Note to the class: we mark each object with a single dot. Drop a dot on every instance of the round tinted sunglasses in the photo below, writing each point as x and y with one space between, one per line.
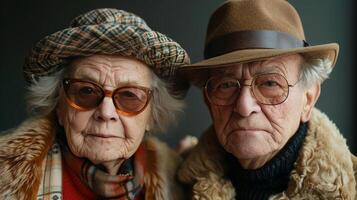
86 95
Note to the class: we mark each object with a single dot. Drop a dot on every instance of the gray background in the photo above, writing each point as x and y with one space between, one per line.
23 23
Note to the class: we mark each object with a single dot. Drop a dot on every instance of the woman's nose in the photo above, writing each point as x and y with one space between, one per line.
106 110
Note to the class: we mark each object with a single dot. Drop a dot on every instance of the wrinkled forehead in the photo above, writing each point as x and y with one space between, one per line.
112 69
289 64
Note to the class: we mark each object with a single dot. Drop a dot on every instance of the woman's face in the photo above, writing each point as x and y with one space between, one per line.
250 130
102 134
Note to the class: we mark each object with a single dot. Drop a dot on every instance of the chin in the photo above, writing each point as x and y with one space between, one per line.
103 158
248 146
248 151
246 154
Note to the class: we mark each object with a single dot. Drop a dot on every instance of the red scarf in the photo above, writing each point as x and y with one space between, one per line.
125 186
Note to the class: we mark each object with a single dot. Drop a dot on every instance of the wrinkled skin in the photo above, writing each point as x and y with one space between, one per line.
253 132
103 135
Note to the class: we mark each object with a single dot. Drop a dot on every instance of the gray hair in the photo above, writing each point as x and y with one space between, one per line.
43 96
315 70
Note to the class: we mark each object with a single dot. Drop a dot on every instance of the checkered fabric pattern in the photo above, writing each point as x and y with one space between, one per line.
105 31
125 186
51 182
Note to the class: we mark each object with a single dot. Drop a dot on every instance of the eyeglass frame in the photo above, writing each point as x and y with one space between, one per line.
107 93
250 86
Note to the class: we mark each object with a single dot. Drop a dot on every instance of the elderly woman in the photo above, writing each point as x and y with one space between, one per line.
96 88
261 81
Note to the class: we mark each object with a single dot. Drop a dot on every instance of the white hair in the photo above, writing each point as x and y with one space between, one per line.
165 105
43 96
315 70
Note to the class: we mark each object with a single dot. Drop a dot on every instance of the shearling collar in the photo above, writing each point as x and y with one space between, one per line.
323 170
22 151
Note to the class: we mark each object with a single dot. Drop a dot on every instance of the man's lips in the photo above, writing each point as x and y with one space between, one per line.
247 130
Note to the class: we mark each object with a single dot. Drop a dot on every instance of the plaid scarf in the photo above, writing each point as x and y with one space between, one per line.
51 182
124 186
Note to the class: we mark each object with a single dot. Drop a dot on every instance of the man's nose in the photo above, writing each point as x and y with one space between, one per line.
246 103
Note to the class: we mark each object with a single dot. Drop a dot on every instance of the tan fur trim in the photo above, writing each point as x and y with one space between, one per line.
203 170
354 161
324 169
21 153
160 175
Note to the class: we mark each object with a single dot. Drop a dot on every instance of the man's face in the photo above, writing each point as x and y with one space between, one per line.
247 128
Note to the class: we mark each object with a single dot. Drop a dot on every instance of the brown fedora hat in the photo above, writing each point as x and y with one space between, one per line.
249 30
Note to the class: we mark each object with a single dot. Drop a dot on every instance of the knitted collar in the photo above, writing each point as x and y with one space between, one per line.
271 178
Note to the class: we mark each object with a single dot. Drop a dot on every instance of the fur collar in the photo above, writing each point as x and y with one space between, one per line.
22 151
323 170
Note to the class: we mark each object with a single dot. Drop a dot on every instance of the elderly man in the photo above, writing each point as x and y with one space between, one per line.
261 80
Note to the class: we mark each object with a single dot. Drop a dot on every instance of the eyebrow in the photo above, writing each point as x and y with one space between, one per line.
269 68
130 82
87 77
273 65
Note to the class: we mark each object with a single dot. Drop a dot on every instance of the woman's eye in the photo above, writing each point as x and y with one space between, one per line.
128 94
86 90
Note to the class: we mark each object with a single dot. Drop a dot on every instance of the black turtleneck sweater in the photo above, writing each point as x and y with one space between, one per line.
271 178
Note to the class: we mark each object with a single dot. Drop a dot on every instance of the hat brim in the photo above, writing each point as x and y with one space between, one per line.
326 51
158 51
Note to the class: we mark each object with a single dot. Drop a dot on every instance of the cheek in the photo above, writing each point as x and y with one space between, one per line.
72 120
284 119
134 126
220 117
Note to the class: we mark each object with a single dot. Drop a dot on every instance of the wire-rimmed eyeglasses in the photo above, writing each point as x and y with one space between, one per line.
268 89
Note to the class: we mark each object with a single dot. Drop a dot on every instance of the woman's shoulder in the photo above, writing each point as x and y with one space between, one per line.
22 150
30 134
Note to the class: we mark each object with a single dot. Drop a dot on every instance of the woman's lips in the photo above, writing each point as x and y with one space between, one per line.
103 135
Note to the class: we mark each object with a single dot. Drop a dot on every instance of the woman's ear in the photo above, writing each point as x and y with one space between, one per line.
311 96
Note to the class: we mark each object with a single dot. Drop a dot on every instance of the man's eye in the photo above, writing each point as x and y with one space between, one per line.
269 83
227 85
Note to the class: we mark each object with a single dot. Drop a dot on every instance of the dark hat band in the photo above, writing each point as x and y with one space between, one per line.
259 39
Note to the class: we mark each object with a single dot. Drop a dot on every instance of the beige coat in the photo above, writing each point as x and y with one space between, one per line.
23 149
325 168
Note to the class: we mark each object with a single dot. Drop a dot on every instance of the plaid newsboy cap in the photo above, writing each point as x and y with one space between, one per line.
105 31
